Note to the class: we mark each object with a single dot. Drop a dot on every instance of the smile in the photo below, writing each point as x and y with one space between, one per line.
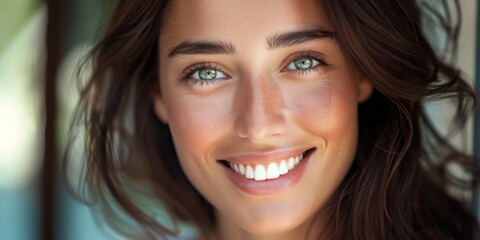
260 172
269 173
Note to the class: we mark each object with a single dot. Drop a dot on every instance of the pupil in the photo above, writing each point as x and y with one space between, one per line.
208 74
303 63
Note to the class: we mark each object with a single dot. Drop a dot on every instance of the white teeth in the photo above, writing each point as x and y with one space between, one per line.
291 163
297 160
272 171
242 169
283 167
260 173
249 172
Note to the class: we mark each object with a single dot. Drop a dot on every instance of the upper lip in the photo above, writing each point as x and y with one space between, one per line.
264 157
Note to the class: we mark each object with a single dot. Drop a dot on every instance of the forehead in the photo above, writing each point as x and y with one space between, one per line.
239 20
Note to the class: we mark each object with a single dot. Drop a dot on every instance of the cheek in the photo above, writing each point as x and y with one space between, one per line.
197 124
326 110
196 128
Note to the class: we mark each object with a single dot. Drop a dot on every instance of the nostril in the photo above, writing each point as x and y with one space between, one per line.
261 128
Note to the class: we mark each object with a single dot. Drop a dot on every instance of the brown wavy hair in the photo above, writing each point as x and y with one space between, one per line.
397 185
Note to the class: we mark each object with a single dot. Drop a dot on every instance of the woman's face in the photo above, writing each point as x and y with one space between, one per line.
262 106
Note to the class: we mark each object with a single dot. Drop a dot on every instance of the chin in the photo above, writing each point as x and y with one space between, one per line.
271 221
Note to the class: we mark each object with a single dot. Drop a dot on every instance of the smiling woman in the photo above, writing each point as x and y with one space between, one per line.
274 120
280 95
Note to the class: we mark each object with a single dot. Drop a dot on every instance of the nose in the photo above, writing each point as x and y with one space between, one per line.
260 110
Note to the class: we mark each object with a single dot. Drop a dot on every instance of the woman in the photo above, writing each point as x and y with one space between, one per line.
274 120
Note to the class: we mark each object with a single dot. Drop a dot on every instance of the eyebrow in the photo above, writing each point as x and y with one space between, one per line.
276 41
297 37
202 47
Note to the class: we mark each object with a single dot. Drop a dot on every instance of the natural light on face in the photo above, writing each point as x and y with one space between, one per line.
262 107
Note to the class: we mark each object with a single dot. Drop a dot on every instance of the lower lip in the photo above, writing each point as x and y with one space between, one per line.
269 186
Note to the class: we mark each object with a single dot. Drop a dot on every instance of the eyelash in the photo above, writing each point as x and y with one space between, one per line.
307 54
209 65
187 74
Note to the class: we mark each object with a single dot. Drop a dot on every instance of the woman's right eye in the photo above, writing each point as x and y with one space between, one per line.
205 74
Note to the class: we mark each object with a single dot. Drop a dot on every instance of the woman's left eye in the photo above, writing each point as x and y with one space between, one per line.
303 63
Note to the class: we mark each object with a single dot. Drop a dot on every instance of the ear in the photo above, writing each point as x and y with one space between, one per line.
159 107
365 90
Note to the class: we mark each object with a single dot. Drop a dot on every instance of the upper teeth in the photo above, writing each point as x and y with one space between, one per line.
271 171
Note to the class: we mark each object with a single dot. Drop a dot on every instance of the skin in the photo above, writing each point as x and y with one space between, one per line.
260 107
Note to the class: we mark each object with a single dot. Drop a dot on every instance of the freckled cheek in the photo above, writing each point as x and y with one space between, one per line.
198 124
325 110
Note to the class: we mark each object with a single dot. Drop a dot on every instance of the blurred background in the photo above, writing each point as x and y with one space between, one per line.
40 45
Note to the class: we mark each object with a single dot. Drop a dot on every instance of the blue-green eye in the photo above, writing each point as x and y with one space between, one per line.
303 63
206 74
